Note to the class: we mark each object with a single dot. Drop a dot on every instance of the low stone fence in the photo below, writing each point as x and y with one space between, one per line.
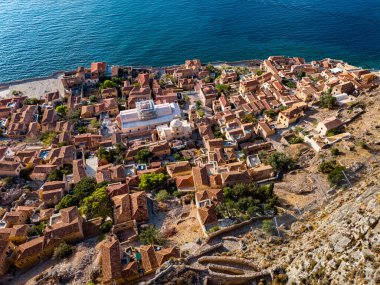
235 227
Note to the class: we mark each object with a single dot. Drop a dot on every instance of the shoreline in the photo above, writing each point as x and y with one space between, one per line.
56 74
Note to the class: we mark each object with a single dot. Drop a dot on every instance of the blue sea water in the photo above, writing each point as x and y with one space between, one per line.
38 37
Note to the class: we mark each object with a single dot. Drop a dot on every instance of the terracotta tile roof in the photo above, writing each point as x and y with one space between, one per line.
148 258
130 207
111 260
9 165
165 254
185 181
117 189
207 214
235 177
79 170
215 195
178 167
201 177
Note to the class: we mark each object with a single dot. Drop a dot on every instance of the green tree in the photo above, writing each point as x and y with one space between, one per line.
259 72
327 101
336 176
56 175
280 161
225 88
37 230
61 110
143 156
82 130
94 123
106 226
108 84
334 151
327 166
198 104
151 235
152 181
249 118
67 201
31 101
98 204
93 98
48 137
301 75
268 226
162 195
247 200
85 188
62 250
296 140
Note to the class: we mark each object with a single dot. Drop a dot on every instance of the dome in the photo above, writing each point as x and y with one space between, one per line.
176 123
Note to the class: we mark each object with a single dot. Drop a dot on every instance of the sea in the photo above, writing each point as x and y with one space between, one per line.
38 37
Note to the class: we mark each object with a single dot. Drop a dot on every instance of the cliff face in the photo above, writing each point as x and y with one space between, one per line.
339 244
344 247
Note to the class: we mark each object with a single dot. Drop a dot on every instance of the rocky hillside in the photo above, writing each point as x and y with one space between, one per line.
339 244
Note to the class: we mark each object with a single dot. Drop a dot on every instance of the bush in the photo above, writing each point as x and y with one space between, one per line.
268 226
336 176
48 137
31 101
244 200
334 171
152 181
143 156
280 161
296 140
333 132
162 195
328 166
334 151
63 250
98 204
37 230
151 235
214 229
327 101
106 226
362 143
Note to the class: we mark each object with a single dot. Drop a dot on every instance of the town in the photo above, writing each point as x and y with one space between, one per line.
157 169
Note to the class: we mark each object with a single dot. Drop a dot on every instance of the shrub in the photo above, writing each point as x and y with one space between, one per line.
327 166
48 137
327 101
296 140
334 151
214 229
333 132
37 230
244 200
151 235
143 155
280 161
63 250
31 101
362 143
106 226
162 195
152 181
98 204
336 176
268 226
